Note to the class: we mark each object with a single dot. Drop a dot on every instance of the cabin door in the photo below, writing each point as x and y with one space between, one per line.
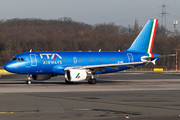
130 57
33 60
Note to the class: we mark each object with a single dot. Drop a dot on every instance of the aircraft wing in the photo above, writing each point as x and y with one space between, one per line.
113 65
101 67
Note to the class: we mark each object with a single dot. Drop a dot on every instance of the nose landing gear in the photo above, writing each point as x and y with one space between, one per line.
29 78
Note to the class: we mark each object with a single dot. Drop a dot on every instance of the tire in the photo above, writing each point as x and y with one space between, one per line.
28 82
92 81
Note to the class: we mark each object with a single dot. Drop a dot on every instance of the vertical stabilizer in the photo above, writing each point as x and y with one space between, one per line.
144 41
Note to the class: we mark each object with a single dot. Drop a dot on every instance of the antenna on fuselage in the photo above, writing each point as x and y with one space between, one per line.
99 50
119 50
30 50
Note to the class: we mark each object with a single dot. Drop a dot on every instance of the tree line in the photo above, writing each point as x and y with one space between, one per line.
64 34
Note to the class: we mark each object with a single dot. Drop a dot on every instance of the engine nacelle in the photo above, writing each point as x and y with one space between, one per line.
75 75
41 77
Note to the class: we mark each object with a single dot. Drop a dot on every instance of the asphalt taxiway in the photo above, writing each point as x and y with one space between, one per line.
140 96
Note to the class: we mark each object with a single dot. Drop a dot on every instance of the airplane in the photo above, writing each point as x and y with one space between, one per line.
78 66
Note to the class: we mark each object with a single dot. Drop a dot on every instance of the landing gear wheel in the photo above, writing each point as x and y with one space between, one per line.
28 82
89 81
92 81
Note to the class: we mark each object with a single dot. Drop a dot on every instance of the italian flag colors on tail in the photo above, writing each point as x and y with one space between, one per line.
144 41
152 35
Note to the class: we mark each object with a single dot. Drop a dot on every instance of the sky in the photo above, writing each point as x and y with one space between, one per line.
120 12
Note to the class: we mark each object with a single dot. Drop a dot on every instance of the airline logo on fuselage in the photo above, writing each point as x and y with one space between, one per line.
51 56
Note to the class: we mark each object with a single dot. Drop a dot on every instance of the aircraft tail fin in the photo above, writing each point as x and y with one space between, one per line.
144 41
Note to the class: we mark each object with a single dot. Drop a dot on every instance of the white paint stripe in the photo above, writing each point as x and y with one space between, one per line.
152 32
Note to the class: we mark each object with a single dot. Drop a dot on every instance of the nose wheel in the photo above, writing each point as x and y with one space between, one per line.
29 77
28 82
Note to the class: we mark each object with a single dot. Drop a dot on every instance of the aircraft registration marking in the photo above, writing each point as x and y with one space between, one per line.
52 62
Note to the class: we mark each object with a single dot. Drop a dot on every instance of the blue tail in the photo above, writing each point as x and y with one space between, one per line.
144 41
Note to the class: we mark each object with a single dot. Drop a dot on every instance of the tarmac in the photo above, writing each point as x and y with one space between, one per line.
141 96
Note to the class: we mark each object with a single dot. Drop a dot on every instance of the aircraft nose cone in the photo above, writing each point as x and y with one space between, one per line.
8 67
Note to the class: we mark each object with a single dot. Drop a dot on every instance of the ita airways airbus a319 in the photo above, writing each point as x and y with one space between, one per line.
78 66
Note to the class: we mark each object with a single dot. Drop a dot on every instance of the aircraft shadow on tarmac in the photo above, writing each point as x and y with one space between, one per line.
101 79
51 82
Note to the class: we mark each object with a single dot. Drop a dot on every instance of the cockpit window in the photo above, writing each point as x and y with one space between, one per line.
13 59
18 59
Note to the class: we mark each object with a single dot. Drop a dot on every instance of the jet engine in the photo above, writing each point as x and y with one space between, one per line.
72 75
41 77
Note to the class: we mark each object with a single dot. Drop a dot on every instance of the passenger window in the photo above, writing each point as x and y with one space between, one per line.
18 59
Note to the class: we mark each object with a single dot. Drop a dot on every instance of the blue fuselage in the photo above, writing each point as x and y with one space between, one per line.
56 62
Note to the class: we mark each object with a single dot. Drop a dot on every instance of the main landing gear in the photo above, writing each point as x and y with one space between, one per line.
92 80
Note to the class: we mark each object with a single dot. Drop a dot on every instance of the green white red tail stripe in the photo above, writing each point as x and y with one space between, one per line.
151 36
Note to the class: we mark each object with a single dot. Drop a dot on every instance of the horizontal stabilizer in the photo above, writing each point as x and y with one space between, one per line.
148 58
153 59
